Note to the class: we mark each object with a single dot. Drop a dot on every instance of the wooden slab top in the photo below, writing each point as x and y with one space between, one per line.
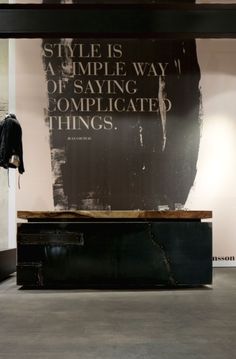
178 214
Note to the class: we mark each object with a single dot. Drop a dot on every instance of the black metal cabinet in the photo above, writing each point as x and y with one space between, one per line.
114 253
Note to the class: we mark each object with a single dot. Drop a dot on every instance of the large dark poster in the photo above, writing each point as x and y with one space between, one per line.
124 123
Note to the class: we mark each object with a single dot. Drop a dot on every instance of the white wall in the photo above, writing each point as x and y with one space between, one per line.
4 210
31 100
216 177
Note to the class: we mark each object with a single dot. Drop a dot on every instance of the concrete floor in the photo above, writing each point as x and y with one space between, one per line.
85 324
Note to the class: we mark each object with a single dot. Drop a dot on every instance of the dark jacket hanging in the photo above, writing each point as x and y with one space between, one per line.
11 142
